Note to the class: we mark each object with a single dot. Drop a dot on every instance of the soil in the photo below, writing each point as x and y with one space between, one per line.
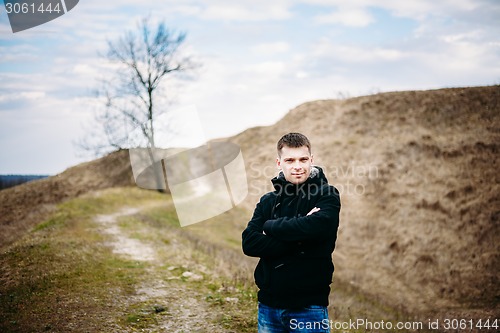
22 206
419 182
189 313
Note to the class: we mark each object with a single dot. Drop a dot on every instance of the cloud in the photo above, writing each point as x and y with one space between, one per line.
247 11
21 53
348 16
260 59
423 9
269 49
36 136
415 9
22 95
350 53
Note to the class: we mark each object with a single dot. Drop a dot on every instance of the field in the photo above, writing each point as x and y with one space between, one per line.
116 260
88 251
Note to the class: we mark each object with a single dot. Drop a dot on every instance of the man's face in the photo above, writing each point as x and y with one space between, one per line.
295 163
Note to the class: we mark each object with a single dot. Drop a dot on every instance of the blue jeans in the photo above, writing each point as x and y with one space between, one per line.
311 319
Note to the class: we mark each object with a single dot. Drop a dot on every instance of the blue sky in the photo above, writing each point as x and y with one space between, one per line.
259 60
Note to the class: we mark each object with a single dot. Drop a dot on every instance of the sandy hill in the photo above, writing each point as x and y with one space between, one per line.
417 172
25 205
418 176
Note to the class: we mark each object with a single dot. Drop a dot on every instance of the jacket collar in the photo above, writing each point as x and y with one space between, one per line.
317 176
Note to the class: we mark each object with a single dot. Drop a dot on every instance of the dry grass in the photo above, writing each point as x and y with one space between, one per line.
25 205
418 176
418 238
65 276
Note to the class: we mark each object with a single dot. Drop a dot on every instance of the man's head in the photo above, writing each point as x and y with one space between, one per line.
294 157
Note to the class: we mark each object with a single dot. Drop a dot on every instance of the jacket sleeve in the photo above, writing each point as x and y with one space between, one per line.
317 226
257 244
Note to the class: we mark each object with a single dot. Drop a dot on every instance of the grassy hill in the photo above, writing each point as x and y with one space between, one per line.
87 251
418 176
25 205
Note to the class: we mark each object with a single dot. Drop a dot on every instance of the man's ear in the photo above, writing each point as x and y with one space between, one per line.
312 159
278 163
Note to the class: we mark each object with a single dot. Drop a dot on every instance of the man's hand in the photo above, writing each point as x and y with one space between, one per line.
314 210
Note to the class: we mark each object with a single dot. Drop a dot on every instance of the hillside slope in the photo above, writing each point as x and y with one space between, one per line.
417 172
25 205
418 176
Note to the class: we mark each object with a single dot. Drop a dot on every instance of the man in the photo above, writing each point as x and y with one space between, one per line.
293 231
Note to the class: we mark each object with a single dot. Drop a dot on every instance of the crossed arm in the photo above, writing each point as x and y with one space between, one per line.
257 244
318 224
280 236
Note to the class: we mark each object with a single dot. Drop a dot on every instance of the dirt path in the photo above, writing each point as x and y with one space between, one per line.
121 243
177 297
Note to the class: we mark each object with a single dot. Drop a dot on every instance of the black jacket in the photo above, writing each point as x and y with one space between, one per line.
295 267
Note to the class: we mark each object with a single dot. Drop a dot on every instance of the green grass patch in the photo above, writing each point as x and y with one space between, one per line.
87 206
236 305
61 275
143 315
162 216
64 277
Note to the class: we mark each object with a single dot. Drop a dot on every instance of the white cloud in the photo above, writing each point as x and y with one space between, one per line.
421 9
269 49
348 16
269 69
259 60
24 95
355 54
21 53
415 9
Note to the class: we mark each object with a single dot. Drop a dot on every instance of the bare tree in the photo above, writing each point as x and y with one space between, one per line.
145 60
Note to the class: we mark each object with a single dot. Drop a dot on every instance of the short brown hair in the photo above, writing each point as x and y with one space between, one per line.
293 140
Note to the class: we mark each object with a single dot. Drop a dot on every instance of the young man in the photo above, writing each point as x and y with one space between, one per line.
293 231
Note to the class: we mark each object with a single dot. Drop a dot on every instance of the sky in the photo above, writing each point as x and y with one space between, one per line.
259 59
